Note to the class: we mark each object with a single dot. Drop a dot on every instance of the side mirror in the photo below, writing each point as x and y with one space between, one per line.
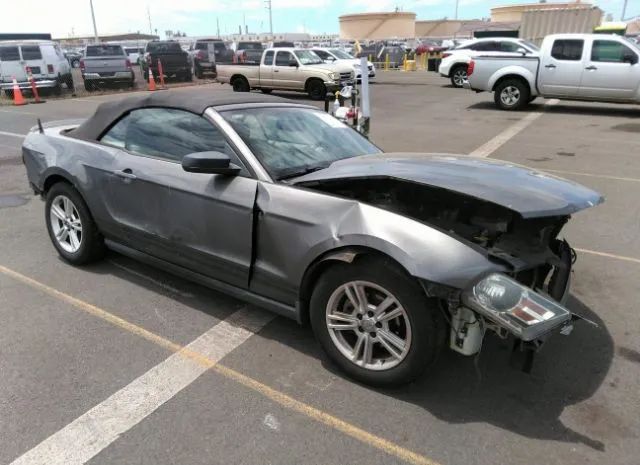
293 63
522 50
630 58
210 162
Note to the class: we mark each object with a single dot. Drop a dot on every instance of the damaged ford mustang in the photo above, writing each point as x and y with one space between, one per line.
389 256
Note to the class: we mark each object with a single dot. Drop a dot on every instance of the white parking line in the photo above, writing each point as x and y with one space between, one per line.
498 141
85 437
12 134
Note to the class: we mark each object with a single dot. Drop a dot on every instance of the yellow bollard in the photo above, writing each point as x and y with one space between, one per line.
404 62
386 62
424 61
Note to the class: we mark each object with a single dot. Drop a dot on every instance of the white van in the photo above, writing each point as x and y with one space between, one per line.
48 65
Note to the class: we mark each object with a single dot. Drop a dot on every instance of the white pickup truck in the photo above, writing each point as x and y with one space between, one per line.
287 69
593 67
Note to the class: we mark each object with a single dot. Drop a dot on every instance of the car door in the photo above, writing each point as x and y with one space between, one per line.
202 222
561 70
612 72
266 69
11 65
285 76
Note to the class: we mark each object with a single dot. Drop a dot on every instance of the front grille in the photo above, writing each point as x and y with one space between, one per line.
344 76
370 67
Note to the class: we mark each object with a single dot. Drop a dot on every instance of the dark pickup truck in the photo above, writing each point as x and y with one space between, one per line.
249 52
175 61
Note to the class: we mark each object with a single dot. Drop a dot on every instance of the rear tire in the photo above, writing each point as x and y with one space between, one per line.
88 86
69 83
88 245
240 84
418 325
458 75
511 95
316 89
266 91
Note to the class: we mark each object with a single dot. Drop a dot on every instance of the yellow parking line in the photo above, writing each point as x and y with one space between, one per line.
276 396
609 255
591 175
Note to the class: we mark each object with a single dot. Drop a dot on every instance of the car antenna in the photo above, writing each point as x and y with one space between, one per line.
40 126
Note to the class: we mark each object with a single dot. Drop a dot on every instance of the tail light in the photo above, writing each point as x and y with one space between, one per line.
82 65
446 54
201 55
128 63
472 65
50 69
244 56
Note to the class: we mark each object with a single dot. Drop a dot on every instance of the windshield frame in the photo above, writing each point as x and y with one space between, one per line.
252 157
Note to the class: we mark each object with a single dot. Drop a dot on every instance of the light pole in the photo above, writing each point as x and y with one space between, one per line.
456 15
624 10
93 18
268 2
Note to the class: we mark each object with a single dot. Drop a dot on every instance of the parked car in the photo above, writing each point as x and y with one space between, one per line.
335 55
206 53
73 58
249 51
134 54
105 64
288 69
455 62
44 58
390 256
175 61
430 46
593 67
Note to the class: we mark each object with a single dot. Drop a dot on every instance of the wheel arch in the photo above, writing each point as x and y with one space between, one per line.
345 254
497 80
54 175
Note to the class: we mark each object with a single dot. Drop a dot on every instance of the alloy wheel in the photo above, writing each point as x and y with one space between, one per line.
459 77
510 95
66 224
368 325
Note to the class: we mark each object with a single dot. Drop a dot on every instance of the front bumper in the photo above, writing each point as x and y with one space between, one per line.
117 76
26 85
333 86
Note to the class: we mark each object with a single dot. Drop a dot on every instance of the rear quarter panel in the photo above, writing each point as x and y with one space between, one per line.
489 70
227 71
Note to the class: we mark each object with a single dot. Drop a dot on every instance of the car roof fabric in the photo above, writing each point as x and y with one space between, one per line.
196 102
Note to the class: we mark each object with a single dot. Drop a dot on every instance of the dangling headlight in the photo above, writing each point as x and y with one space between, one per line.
515 307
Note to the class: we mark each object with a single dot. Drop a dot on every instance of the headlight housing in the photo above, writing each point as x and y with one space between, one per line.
333 76
517 308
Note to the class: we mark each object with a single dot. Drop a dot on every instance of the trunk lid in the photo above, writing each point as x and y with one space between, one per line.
528 192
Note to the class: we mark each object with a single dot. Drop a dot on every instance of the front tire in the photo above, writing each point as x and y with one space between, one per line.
511 95
316 89
375 323
240 84
71 228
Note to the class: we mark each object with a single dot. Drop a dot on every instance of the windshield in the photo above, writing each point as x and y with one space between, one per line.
340 54
293 141
104 50
530 45
163 47
631 42
307 57
249 46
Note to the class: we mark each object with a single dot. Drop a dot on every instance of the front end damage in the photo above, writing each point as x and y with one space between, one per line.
525 302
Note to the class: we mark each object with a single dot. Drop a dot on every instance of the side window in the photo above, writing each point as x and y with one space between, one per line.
167 134
9 54
268 58
283 58
567 49
610 51
31 52
509 46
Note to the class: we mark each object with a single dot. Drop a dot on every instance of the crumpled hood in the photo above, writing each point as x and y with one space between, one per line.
526 191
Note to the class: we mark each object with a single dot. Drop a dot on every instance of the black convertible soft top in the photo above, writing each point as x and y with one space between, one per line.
194 101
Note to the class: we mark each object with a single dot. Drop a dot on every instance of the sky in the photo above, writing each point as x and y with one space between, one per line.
198 17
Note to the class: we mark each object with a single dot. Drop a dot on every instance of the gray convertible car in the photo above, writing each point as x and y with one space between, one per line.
390 256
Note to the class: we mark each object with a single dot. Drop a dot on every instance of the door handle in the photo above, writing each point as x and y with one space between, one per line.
276 70
125 174
591 68
550 66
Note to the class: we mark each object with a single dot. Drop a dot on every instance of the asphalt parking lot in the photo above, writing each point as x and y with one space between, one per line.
77 344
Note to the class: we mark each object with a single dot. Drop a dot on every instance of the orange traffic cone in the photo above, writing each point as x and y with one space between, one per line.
18 99
152 83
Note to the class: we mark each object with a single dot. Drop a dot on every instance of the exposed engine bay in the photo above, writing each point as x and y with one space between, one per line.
530 246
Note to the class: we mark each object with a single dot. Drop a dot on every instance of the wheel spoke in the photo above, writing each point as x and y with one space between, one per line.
383 306
358 347
342 321
355 294
396 312
68 208
75 242
392 339
62 235
367 353
392 350
57 212
76 224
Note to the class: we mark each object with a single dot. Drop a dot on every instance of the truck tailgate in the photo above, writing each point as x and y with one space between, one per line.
105 64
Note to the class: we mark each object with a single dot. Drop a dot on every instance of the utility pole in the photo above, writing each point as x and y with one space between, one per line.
218 25
268 2
456 15
93 18
149 16
624 10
